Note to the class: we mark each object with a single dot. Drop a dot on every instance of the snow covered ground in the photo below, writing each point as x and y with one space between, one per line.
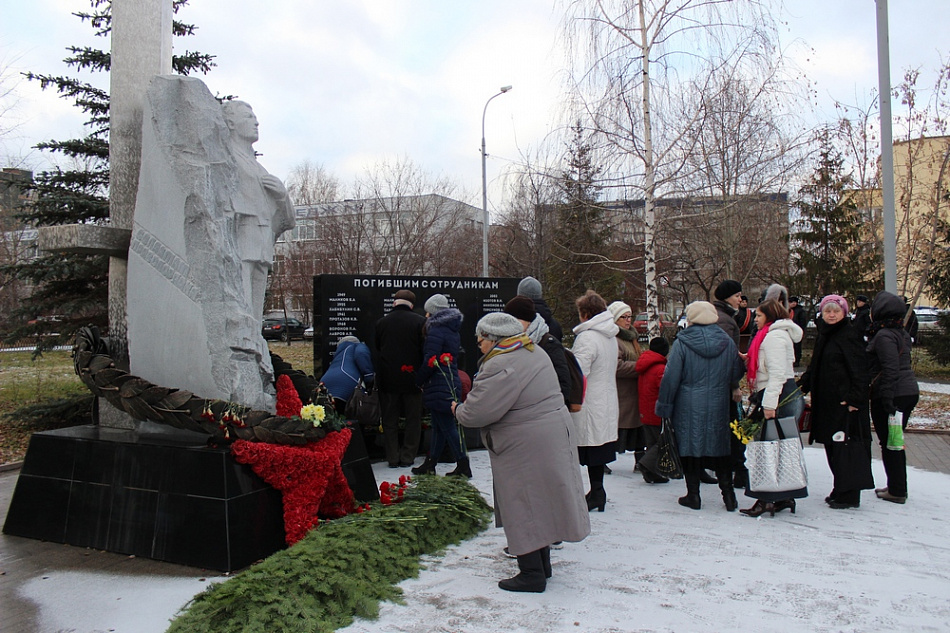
649 565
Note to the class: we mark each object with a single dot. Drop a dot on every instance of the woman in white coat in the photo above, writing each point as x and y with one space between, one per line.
595 348
771 377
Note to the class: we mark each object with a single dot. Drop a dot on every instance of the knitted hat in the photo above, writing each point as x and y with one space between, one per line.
530 287
436 303
498 325
660 346
618 309
840 301
727 288
405 295
701 313
521 308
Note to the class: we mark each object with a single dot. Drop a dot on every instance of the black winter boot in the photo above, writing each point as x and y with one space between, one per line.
531 577
426 468
546 560
728 492
691 500
462 469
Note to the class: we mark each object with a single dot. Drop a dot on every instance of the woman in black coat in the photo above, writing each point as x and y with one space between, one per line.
837 378
893 385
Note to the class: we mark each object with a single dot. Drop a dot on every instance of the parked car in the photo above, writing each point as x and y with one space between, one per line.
308 334
641 325
927 317
282 329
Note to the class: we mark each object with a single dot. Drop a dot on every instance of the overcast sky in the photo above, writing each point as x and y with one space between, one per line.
349 83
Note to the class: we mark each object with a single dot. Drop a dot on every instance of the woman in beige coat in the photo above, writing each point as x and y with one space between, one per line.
629 427
516 401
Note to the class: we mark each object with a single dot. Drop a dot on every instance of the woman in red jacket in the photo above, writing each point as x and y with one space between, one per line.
650 367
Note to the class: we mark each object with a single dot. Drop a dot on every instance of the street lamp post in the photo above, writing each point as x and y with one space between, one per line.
485 221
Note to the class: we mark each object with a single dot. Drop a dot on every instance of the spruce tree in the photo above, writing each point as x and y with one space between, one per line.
579 257
74 288
833 252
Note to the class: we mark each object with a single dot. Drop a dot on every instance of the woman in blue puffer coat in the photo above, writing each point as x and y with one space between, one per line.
695 394
351 363
439 379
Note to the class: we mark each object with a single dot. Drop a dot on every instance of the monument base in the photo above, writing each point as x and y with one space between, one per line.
160 494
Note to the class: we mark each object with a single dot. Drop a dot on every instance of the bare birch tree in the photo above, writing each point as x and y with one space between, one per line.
638 59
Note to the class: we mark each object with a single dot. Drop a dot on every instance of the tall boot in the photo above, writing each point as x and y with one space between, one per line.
597 497
546 560
728 492
427 467
531 576
691 500
462 469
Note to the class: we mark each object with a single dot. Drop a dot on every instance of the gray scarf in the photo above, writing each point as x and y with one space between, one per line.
537 329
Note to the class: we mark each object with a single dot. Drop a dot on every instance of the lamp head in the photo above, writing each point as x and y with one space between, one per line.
505 88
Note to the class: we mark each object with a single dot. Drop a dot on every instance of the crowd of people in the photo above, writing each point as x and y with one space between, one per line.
523 400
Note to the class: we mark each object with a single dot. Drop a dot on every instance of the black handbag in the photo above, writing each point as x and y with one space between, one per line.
363 406
851 460
668 463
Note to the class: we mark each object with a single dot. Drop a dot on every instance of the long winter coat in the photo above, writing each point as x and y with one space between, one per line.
538 492
838 372
695 390
889 349
351 363
628 399
650 367
398 350
441 337
776 360
596 353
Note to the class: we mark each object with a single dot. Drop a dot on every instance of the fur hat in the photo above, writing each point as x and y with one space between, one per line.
777 292
521 308
659 345
498 325
701 313
405 295
618 309
530 287
840 301
727 288
436 303
349 339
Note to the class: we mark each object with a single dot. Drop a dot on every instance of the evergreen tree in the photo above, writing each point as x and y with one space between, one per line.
834 251
579 257
72 287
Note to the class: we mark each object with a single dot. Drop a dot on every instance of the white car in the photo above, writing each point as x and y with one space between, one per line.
308 334
927 317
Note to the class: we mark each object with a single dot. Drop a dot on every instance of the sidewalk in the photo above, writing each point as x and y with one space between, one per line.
52 588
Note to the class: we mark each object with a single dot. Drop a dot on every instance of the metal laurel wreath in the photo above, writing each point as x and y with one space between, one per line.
223 421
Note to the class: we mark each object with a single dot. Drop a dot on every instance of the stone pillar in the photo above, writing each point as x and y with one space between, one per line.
141 49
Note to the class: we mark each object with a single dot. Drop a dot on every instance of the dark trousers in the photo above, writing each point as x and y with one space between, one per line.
895 462
445 431
395 406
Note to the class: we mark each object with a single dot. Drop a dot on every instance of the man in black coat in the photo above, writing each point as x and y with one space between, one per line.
398 349
531 288
861 318
800 317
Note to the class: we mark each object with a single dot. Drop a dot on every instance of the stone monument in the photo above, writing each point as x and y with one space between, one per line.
207 216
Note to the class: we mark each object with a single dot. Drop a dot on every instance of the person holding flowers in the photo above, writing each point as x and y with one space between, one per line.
538 492
439 379
771 378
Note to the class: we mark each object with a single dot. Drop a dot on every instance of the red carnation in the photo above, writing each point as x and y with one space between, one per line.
402 480
384 487
288 401
446 359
